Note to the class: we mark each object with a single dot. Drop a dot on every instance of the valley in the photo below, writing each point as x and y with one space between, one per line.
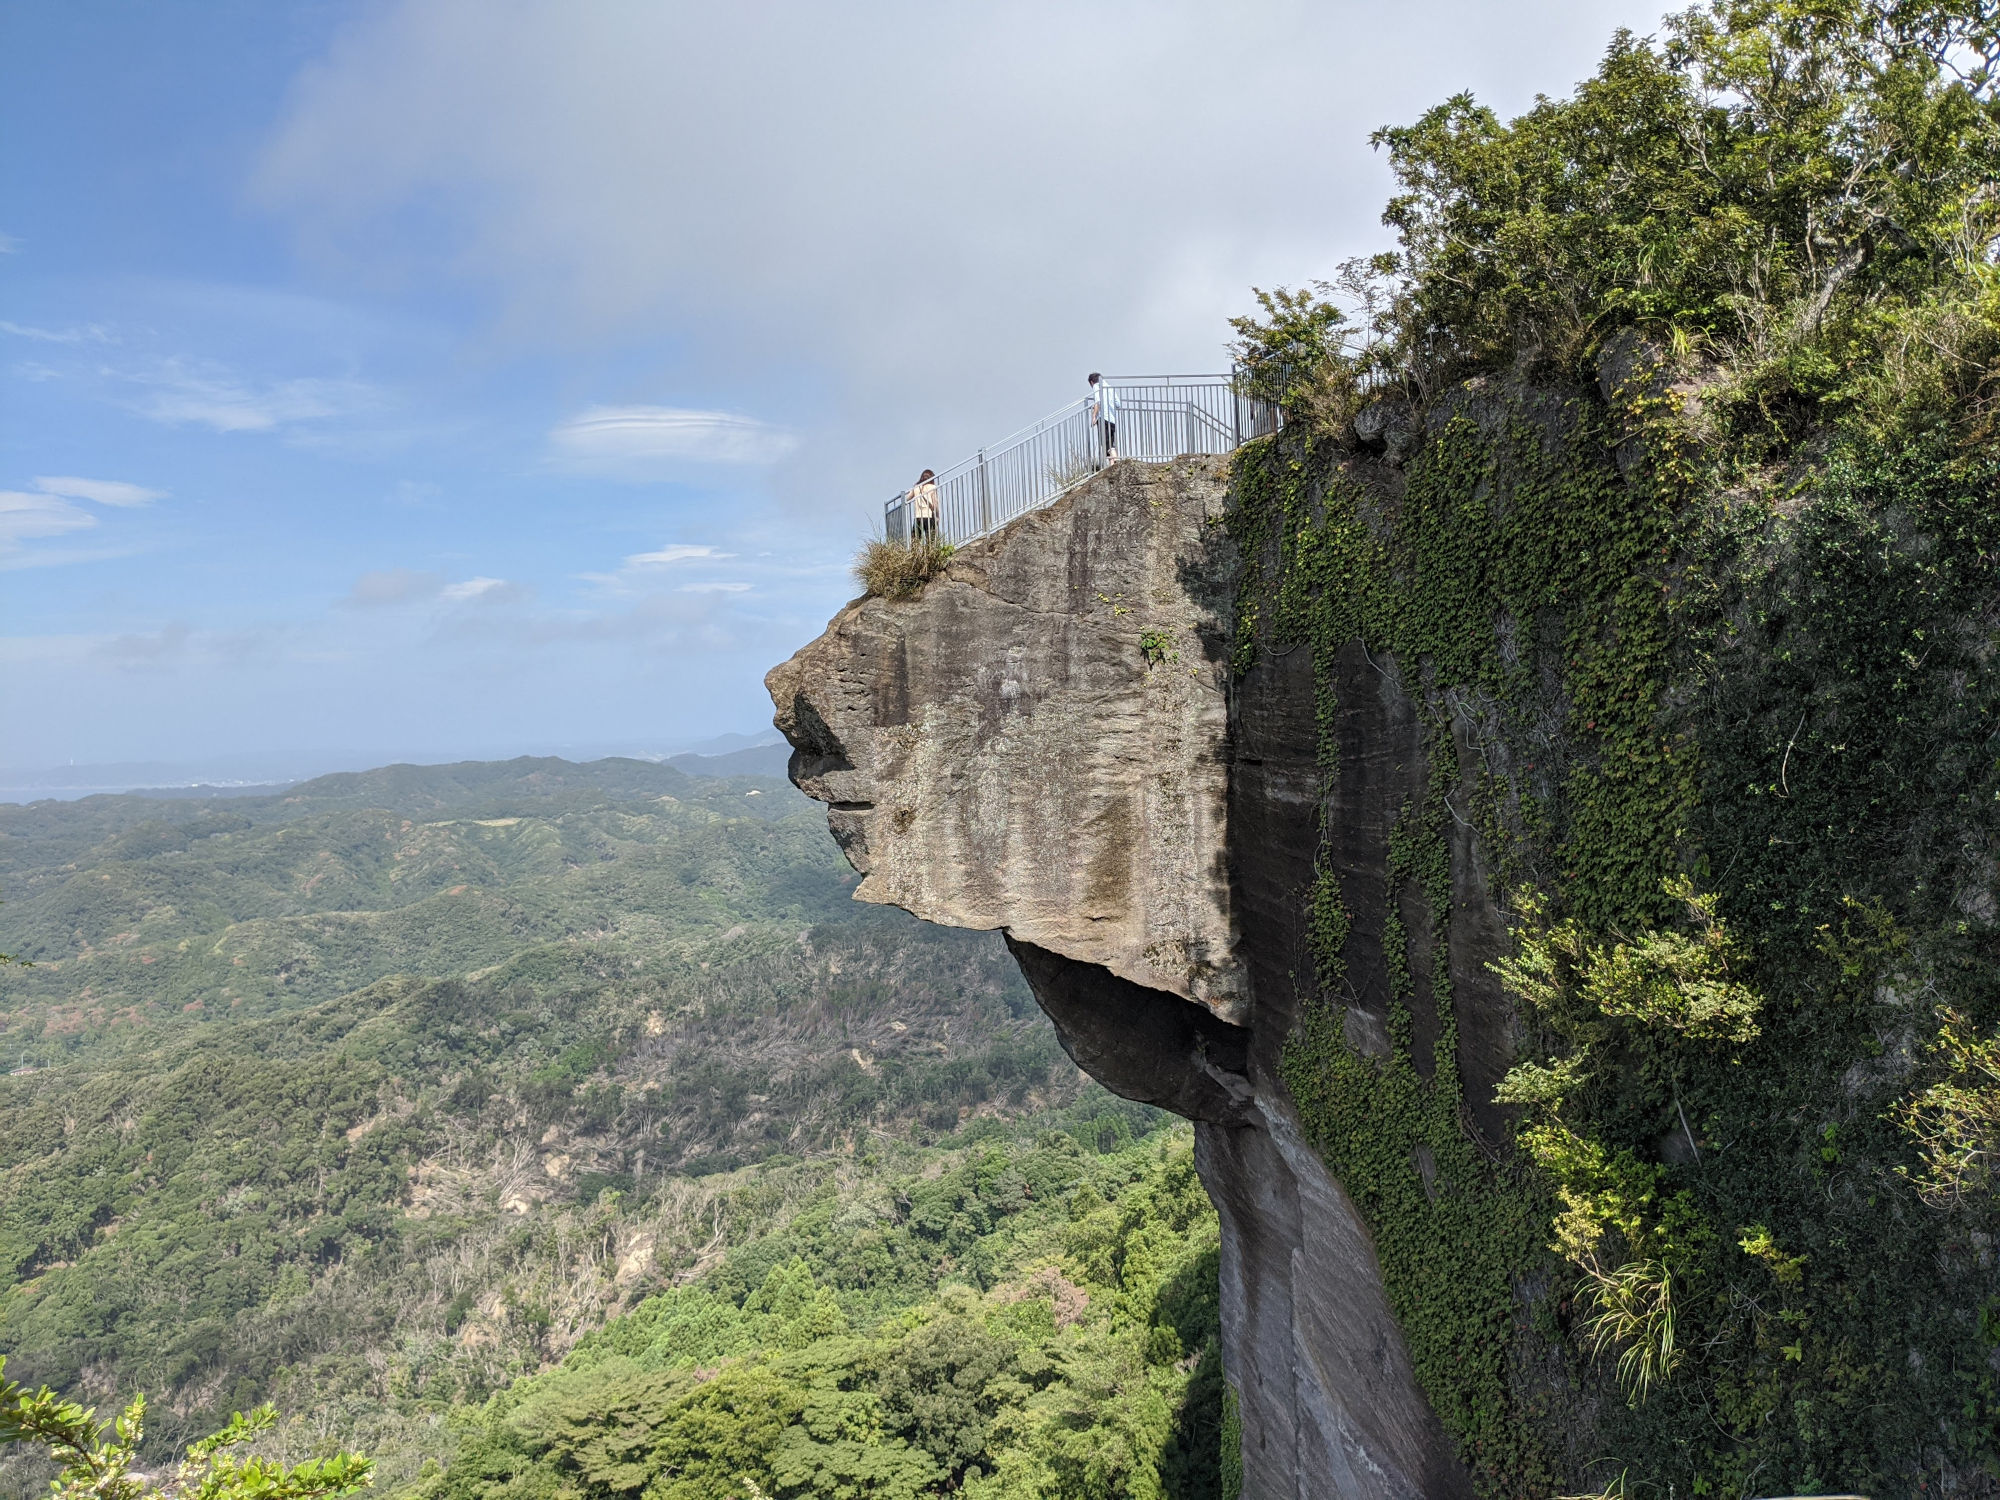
384 1095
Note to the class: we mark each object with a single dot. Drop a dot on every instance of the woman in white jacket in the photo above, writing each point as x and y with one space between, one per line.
923 499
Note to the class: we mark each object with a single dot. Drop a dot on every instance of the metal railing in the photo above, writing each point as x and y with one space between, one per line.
1155 416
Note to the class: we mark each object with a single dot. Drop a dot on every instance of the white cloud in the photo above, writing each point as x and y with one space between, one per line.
676 552
623 437
98 491
942 214
56 557
714 588
50 510
389 588
28 516
484 590
640 573
9 243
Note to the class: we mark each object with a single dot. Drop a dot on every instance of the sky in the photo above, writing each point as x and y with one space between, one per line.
439 378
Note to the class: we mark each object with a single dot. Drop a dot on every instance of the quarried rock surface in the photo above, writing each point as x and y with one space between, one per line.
1047 741
1037 743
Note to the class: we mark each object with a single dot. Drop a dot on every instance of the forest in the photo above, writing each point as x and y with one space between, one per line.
437 1104
1658 455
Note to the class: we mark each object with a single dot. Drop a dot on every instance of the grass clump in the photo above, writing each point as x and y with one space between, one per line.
899 570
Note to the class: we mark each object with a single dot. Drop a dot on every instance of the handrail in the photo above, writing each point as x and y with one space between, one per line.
1155 417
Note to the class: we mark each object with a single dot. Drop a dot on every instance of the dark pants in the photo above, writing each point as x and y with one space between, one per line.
923 529
1110 437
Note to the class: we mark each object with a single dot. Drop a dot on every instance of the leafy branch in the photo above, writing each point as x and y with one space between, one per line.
96 1469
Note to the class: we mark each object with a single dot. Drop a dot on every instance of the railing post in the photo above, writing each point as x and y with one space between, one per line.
1235 405
985 500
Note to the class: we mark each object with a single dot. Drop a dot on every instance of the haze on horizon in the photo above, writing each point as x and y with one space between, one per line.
431 373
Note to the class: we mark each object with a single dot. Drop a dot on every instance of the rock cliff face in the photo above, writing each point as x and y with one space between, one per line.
1038 742
1048 740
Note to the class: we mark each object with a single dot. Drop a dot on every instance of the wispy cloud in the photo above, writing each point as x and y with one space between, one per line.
147 649
483 591
90 333
9 244
624 437
51 509
175 643
394 587
57 557
98 491
646 572
714 588
42 650
677 552
25 516
178 393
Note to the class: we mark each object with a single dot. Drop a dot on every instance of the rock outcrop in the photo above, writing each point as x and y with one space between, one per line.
1038 743
1048 741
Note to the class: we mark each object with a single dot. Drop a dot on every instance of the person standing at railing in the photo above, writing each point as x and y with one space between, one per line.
1104 416
923 500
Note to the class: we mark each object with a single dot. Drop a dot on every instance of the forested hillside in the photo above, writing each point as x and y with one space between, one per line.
1659 460
379 1095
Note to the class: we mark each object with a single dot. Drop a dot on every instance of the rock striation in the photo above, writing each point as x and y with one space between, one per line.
1037 743
1048 741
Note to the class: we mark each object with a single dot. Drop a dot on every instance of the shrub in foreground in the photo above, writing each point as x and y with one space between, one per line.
93 1469
899 570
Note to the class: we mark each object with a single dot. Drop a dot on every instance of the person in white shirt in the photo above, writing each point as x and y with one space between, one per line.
923 499
1104 415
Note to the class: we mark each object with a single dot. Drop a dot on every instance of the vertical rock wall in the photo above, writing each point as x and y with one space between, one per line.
1047 741
1037 742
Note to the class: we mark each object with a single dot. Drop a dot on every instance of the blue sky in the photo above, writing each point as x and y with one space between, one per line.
470 377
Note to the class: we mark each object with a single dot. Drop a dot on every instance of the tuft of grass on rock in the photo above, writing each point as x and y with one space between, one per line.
899 570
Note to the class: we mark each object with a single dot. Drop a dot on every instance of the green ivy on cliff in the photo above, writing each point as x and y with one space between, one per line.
1419 577
1453 1229
1672 511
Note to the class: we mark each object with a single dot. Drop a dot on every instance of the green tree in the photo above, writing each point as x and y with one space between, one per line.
936 1390
1792 194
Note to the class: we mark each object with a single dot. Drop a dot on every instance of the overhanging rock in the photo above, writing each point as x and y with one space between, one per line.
1039 741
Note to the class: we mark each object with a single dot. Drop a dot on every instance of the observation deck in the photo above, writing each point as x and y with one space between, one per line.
1157 417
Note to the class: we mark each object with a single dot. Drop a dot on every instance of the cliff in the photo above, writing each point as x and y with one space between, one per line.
1042 742
1584 980
1560 905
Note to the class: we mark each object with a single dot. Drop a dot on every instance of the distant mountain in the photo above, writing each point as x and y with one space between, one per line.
757 760
724 744
395 1055
237 775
